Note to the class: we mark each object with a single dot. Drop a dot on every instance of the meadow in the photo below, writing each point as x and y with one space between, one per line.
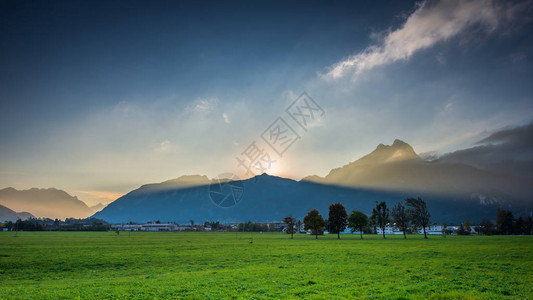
91 265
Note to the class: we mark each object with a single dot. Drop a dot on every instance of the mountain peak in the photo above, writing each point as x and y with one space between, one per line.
98 207
263 176
398 151
399 143
267 178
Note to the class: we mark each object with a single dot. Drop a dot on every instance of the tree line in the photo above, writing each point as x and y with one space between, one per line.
505 224
408 216
69 224
412 215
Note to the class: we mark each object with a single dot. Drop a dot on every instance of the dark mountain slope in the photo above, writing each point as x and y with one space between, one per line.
269 198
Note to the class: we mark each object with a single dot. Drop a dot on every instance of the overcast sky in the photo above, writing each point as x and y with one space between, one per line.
99 97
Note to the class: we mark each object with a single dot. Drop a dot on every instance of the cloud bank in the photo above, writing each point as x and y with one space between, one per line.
507 151
431 22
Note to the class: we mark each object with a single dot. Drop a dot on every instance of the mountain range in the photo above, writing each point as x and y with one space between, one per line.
49 203
398 168
96 208
453 192
7 214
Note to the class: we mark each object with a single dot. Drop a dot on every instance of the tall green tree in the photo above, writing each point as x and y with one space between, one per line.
461 230
314 222
357 220
418 213
337 219
500 220
485 227
381 216
509 222
400 218
290 221
519 226
528 225
468 227
505 221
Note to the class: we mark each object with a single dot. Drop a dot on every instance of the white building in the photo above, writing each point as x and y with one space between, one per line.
432 229
452 228
278 226
159 227
127 227
234 225
389 230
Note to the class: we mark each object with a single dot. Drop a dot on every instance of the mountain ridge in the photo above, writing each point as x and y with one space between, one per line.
388 173
394 169
398 167
269 198
45 203
7 214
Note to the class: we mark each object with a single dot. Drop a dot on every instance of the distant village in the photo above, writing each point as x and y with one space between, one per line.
413 218
271 227
157 226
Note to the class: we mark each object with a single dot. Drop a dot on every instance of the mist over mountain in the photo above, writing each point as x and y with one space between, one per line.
7 214
50 203
96 208
398 168
453 192
508 151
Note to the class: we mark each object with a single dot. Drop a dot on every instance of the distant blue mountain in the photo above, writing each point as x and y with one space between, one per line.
392 173
268 198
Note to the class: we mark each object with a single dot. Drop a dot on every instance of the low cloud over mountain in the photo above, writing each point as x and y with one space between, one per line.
453 191
398 168
467 183
508 151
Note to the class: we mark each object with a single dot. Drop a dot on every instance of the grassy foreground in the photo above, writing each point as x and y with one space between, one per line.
226 265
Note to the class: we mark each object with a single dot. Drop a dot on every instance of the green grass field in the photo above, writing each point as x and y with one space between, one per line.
53 265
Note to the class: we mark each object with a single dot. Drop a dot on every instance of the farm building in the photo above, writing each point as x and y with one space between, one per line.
432 229
159 227
127 227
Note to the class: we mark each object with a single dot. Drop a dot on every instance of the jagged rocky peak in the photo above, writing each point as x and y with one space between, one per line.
398 151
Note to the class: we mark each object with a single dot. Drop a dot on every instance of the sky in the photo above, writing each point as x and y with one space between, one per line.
100 97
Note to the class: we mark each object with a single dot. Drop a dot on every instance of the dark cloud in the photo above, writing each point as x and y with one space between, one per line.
508 151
